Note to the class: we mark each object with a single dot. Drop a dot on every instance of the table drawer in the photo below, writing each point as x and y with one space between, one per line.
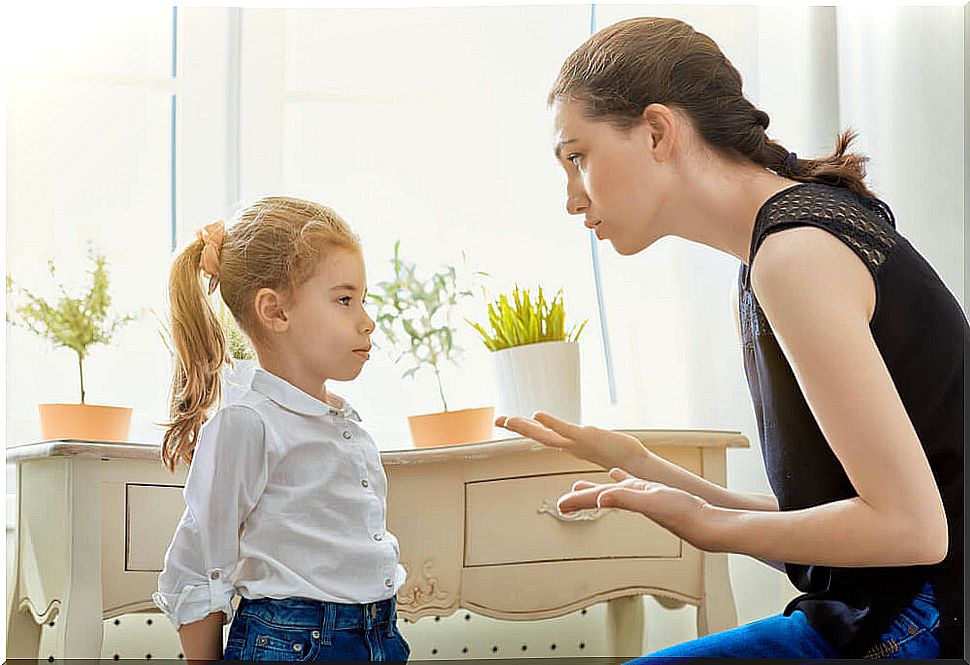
153 513
509 521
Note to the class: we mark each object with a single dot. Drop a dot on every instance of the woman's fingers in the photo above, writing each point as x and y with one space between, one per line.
586 494
625 498
567 429
532 429
579 499
619 475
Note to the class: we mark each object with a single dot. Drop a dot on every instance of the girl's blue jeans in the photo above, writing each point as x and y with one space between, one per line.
913 634
300 629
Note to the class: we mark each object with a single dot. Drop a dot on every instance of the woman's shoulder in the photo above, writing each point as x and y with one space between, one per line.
864 224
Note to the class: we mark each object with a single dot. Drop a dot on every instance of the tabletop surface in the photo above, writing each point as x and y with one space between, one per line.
129 450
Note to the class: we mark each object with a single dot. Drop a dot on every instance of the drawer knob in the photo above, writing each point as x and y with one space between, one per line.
584 515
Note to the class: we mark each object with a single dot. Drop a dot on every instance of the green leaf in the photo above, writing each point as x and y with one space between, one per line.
69 322
517 318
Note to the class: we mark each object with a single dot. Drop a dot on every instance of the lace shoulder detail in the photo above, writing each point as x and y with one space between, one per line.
865 224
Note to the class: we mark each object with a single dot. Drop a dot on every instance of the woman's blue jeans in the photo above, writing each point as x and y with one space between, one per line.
300 629
913 634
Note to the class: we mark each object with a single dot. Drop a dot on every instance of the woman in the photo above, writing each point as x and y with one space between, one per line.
853 350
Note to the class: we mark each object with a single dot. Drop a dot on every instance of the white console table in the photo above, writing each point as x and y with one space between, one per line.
477 524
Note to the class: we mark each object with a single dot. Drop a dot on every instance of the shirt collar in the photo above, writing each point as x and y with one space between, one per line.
292 398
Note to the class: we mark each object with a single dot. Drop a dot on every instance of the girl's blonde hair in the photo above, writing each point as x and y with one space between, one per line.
275 243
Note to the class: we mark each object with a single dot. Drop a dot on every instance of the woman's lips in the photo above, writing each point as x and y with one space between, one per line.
361 353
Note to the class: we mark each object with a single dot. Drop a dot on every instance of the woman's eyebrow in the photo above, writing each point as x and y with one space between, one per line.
560 144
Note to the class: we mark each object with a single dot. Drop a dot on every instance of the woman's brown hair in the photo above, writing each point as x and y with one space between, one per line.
627 66
275 243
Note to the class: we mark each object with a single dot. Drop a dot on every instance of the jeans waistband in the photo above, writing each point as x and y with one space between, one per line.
319 614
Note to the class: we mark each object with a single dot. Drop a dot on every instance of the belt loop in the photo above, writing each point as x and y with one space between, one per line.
391 617
329 618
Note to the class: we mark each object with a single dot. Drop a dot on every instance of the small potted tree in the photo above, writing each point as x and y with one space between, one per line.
414 316
536 360
77 324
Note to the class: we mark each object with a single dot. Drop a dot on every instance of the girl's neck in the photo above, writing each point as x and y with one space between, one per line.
296 375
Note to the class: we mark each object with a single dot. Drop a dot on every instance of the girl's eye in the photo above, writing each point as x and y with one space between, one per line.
344 300
573 159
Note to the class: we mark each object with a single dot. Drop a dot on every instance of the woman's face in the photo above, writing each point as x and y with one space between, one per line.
613 177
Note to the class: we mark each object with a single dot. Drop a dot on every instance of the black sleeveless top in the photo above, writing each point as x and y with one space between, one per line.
922 334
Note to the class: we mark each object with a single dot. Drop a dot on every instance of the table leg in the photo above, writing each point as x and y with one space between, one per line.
717 611
625 625
82 627
23 633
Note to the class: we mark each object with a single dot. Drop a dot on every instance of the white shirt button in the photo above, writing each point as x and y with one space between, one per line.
346 435
378 536
388 583
214 575
364 483
333 412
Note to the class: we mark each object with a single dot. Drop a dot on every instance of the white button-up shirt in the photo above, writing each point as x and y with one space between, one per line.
285 497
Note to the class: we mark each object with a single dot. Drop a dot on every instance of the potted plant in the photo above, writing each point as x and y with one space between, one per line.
414 316
536 361
77 324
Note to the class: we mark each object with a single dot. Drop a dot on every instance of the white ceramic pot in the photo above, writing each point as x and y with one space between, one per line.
538 377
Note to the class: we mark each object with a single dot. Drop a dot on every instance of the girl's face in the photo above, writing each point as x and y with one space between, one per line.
613 177
329 329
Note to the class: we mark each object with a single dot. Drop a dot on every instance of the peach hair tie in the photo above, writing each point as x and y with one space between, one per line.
211 236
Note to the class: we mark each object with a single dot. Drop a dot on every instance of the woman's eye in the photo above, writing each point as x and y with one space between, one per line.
573 159
344 300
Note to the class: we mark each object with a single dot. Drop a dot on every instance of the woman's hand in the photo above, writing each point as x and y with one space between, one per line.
599 446
687 516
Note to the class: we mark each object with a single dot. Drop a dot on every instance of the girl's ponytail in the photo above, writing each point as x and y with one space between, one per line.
200 345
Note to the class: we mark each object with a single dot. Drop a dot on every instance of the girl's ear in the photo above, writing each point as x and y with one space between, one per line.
269 311
660 121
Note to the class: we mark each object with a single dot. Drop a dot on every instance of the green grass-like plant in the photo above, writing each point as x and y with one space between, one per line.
414 315
520 320
76 323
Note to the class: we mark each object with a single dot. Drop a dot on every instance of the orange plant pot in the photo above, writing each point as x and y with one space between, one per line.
87 422
451 427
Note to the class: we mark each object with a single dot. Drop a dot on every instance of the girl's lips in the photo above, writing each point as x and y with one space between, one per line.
360 353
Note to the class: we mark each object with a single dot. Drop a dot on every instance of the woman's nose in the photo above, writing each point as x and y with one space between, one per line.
576 204
576 200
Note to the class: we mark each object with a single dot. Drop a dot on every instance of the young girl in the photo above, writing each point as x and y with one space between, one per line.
285 496
853 350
